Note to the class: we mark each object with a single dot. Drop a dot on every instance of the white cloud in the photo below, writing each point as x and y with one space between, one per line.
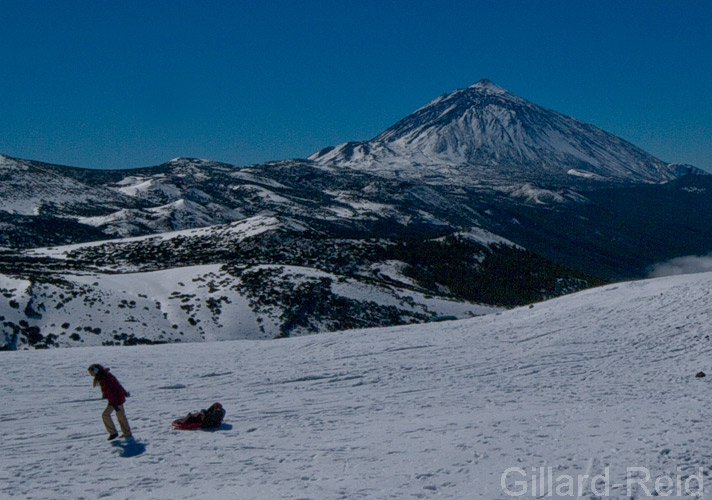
682 265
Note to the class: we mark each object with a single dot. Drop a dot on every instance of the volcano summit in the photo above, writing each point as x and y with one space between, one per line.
485 134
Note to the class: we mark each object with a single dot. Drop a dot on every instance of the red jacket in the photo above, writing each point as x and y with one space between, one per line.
112 390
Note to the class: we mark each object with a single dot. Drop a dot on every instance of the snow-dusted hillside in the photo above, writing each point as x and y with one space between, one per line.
204 303
217 237
204 284
30 188
598 383
485 135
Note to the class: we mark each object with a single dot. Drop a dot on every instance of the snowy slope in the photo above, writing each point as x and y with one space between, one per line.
603 380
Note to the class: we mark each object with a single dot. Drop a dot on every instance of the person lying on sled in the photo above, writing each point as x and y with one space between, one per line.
212 417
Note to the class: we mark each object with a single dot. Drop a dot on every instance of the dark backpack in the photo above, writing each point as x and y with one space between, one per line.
214 415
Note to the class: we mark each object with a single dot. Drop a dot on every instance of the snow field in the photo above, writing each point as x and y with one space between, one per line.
602 378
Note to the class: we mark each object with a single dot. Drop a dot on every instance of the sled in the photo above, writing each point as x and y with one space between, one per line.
186 426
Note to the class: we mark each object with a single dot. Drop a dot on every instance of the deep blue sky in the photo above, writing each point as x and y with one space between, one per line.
114 84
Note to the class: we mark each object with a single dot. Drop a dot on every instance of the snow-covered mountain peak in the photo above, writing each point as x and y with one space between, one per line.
181 161
488 86
189 164
484 134
183 167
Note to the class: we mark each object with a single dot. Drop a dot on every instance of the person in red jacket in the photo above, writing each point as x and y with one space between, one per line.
115 394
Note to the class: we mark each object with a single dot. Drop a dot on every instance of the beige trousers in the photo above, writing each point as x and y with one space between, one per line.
120 416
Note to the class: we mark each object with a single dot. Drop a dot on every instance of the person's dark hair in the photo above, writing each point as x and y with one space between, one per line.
98 371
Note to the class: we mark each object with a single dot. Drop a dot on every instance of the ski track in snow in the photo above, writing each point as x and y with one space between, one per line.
600 378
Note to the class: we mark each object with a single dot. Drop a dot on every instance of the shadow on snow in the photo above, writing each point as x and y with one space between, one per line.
129 448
